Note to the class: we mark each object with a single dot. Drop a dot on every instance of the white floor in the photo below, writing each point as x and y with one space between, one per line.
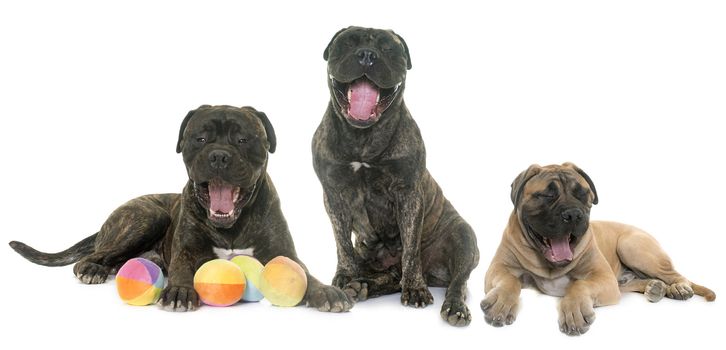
92 95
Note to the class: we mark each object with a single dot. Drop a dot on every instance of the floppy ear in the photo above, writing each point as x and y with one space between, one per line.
269 130
405 49
521 180
326 53
184 126
586 177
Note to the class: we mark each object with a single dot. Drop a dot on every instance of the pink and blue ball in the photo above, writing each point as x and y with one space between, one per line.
139 282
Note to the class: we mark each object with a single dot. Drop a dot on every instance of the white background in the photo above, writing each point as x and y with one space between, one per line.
92 95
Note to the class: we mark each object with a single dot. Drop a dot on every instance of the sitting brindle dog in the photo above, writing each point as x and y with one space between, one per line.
370 159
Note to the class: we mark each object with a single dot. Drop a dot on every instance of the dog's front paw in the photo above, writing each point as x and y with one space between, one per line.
329 299
500 308
179 299
357 290
91 273
418 296
456 313
576 315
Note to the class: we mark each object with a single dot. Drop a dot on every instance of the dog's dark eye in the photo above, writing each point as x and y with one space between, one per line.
540 195
201 140
242 140
580 193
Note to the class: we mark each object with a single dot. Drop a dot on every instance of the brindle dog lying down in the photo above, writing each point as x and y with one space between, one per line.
229 206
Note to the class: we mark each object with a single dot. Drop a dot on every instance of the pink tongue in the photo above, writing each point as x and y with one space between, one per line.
221 197
363 96
561 249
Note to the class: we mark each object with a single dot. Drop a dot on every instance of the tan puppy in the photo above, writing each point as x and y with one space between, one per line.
550 243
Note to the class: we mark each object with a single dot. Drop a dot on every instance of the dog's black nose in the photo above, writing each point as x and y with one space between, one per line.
219 159
366 57
573 215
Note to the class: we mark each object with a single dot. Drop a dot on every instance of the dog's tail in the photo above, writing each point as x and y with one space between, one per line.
68 256
708 294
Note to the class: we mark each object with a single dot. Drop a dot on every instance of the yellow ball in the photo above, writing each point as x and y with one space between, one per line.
219 282
283 282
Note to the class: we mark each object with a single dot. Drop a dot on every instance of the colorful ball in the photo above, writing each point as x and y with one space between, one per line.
252 269
219 282
139 282
283 282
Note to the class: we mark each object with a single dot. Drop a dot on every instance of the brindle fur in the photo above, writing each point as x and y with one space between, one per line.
407 236
174 230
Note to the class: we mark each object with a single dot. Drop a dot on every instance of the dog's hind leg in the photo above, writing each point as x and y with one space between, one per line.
449 262
132 229
641 253
374 284
462 259
654 289
155 257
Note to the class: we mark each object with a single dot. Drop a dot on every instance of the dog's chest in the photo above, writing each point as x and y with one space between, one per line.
369 176
555 287
356 166
373 196
366 174
227 254
370 201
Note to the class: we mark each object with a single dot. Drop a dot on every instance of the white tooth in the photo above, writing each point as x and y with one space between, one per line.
397 86
349 94
331 77
378 98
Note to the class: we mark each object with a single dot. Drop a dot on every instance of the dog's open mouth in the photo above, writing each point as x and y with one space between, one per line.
557 250
362 101
222 200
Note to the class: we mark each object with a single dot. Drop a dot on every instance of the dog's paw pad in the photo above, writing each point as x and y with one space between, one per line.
329 299
655 290
500 308
679 291
179 299
91 273
456 313
357 290
416 297
576 315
